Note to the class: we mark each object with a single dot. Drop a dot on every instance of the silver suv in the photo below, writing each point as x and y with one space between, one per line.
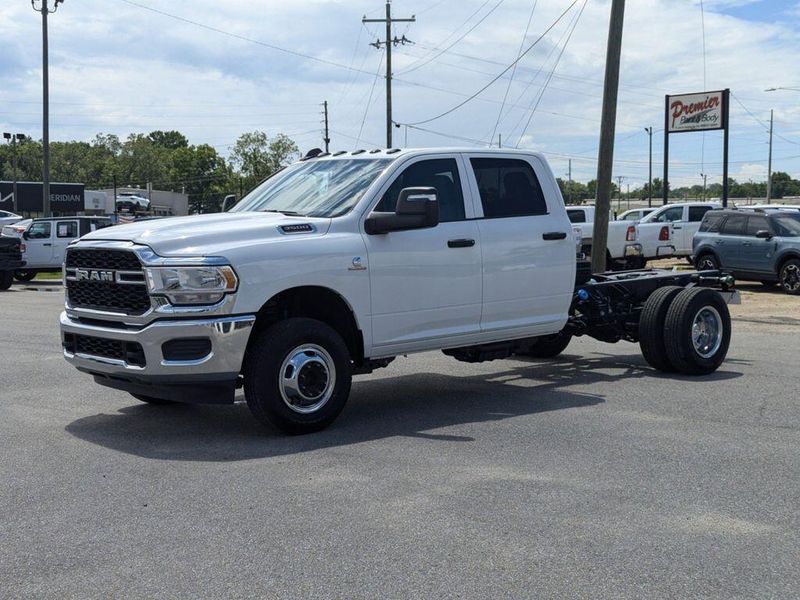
751 245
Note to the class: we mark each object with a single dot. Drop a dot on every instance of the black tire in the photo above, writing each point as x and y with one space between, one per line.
769 284
266 362
790 277
24 275
6 279
548 346
678 331
151 400
651 327
706 262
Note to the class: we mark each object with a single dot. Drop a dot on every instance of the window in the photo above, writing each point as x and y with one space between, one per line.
696 213
711 222
67 229
96 224
787 226
734 225
441 174
670 215
4 214
576 216
756 224
508 188
39 231
634 216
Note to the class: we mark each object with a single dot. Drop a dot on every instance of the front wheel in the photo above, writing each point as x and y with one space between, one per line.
697 331
790 277
6 279
24 275
297 375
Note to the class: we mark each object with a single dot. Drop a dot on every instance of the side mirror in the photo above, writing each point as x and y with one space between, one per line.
763 234
417 208
26 235
228 202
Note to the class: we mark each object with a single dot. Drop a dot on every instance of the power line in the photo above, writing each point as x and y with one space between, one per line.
503 72
369 101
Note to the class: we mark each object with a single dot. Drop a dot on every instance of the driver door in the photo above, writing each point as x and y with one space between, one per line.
38 245
426 283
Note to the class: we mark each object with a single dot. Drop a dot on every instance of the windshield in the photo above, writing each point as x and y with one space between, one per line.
317 188
786 226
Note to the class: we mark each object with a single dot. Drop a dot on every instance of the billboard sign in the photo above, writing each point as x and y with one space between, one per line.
65 198
695 112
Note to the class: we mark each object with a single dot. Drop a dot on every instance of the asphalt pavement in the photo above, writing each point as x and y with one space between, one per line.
590 476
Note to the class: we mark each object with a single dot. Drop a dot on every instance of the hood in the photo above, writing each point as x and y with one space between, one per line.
203 235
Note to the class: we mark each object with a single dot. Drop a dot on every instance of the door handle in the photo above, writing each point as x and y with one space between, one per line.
462 243
677 227
554 235
47 244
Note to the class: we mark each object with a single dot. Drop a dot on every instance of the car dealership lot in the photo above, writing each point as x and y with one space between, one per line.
588 476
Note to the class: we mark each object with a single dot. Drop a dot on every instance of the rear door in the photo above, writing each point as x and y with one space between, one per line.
528 249
65 232
674 216
39 245
426 283
730 242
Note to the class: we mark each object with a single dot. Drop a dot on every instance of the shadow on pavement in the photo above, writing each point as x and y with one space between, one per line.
405 405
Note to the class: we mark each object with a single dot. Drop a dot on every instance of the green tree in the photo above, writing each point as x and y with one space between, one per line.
256 156
171 140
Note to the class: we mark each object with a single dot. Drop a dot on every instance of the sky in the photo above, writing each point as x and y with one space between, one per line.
215 69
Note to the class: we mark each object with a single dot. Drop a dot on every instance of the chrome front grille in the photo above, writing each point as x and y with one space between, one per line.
106 280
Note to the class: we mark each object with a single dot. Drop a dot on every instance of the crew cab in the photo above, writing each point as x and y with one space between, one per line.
340 263
685 220
621 249
46 240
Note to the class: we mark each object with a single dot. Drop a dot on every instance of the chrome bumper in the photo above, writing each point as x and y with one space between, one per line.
228 336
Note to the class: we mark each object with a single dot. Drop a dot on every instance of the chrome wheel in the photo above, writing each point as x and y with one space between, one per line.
707 331
790 278
707 263
307 378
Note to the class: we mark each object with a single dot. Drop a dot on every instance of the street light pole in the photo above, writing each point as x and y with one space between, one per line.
45 105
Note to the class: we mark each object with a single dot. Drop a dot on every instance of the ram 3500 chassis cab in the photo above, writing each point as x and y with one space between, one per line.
339 263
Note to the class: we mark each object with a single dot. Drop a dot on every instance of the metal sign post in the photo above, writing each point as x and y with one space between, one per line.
704 111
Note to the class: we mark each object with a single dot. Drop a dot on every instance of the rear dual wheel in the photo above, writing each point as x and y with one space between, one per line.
24 275
6 279
694 333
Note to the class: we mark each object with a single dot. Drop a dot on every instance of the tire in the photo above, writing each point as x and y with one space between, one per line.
548 346
151 400
769 284
689 354
6 279
790 277
707 262
24 275
302 348
651 327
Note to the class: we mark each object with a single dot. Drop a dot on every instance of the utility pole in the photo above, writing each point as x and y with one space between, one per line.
605 162
619 192
769 162
388 43
705 179
13 140
649 131
45 105
569 178
327 138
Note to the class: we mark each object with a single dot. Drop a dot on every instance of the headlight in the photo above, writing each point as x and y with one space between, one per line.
191 285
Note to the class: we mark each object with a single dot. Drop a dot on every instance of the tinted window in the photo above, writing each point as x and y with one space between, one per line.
711 222
734 225
508 188
96 224
441 174
634 216
576 216
756 224
67 229
696 213
787 226
39 231
670 215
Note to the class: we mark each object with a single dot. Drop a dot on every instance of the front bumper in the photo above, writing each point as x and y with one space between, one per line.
208 379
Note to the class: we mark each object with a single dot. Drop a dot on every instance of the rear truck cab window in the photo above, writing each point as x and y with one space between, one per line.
696 213
576 215
340 263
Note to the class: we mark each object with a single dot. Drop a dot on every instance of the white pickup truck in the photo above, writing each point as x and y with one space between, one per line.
684 219
339 263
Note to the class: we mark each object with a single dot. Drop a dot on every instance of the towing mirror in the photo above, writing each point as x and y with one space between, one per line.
763 234
228 202
26 235
417 208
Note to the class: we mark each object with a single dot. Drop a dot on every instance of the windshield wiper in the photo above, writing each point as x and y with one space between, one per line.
288 213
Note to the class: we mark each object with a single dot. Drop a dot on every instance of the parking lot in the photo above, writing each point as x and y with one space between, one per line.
588 476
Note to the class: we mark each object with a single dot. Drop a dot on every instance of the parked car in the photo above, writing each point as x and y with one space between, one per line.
623 251
132 202
340 263
635 214
46 240
685 219
10 261
9 218
752 245
16 230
